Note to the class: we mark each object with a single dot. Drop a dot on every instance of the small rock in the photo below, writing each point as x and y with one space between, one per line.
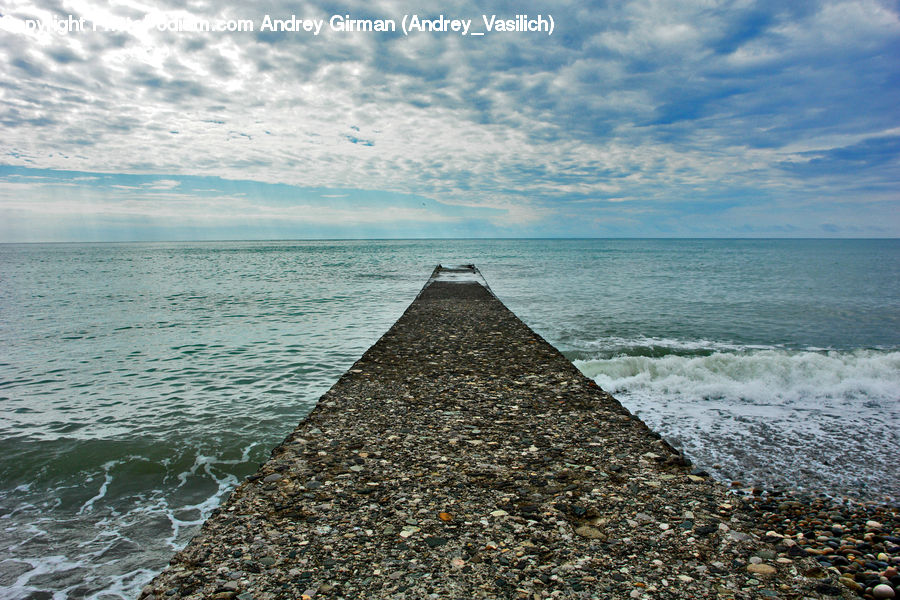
592 533
883 591
739 536
761 569
435 541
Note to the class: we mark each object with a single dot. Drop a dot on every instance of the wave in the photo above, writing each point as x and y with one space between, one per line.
98 528
758 375
820 420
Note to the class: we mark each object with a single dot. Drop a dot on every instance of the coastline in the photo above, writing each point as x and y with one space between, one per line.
424 472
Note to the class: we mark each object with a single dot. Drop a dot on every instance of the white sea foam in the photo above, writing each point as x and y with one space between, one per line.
614 344
113 542
42 566
774 417
107 478
767 376
225 482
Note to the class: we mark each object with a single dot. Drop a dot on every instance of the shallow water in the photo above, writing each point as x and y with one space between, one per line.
140 382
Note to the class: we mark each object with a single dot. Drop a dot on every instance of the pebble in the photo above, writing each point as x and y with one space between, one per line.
843 537
592 533
851 584
761 569
883 592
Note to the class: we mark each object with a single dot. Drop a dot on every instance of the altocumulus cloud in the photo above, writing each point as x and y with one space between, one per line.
640 118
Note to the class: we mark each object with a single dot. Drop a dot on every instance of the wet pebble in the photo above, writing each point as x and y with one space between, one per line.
883 592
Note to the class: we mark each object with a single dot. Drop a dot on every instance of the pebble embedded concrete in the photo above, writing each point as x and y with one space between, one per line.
464 457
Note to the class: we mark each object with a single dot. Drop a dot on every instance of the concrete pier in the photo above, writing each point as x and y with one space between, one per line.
464 457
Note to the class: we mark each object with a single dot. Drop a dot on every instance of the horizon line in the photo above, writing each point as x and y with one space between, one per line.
449 239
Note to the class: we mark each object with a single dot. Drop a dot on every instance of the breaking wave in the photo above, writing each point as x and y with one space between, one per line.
808 419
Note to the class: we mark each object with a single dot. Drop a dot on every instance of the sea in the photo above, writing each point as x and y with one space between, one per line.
140 383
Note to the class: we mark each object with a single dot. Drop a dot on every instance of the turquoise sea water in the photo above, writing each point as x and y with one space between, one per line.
140 382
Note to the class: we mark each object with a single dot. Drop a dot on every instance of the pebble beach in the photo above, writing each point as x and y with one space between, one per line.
425 472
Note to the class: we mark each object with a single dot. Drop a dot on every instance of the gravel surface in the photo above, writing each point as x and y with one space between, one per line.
464 457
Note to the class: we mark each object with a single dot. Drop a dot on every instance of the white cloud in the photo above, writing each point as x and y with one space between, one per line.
647 99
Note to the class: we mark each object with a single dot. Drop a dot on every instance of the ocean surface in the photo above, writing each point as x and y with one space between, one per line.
139 383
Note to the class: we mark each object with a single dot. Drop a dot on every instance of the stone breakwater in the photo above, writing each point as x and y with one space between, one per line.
464 457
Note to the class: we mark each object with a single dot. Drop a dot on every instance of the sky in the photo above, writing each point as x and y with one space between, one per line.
120 120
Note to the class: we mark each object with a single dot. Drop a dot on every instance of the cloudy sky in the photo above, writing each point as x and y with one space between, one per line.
645 118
